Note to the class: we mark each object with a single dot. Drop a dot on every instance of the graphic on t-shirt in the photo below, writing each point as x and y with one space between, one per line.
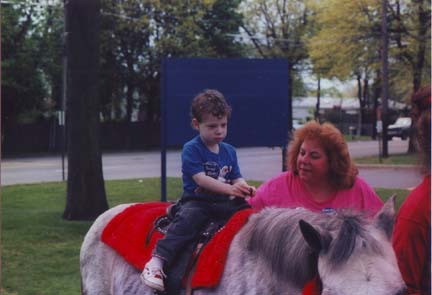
223 174
211 169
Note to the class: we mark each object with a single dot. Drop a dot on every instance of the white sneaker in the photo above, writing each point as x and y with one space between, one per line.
153 278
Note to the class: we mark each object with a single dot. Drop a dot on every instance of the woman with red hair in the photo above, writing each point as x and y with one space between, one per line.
412 232
321 176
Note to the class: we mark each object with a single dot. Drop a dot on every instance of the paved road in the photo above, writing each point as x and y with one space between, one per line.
256 164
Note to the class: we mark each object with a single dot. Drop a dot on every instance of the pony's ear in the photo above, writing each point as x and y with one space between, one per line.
385 218
312 236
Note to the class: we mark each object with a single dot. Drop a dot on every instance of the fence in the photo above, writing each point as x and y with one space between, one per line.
46 137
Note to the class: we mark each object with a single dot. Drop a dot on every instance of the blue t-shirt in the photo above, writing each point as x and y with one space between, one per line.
196 158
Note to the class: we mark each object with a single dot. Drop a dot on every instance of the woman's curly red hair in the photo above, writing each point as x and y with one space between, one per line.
343 171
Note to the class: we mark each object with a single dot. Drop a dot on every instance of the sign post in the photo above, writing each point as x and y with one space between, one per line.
61 121
379 129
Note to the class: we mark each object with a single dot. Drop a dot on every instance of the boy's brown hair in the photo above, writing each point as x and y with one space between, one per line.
210 101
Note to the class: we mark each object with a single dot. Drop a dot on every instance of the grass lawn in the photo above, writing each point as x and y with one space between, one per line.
40 250
356 138
396 159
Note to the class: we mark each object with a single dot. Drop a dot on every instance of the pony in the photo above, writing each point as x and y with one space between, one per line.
276 252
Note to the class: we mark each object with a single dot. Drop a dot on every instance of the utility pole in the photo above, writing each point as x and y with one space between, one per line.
317 106
384 73
62 113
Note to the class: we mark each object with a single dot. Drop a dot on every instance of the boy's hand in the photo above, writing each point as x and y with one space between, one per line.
242 189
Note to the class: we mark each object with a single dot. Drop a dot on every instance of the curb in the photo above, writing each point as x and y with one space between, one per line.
387 166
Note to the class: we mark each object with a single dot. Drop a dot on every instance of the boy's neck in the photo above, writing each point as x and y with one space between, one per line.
214 148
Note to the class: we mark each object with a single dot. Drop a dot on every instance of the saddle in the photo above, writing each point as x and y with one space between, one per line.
180 273
161 224
134 233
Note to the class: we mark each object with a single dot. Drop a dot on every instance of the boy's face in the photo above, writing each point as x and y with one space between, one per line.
212 129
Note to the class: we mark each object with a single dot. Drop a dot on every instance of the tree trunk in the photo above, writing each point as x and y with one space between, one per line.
129 108
86 197
366 92
376 94
384 75
361 107
365 105
317 107
423 23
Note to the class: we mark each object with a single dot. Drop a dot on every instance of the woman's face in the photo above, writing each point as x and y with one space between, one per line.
312 162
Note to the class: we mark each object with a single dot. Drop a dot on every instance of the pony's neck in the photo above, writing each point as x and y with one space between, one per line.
274 235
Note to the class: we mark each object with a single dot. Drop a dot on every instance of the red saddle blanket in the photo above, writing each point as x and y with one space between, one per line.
126 233
313 287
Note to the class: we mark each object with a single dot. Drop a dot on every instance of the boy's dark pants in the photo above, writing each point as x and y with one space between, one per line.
190 220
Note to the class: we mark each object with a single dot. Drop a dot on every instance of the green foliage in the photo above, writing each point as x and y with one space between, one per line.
220 24
336 38
31 62
138 35
278 28
135 37
410 25
50 35
124 51
397 159
346 41
22 86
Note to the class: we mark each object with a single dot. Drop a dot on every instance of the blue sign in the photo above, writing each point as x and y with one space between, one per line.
256 89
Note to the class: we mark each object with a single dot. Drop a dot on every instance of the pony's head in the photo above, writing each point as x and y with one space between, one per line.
357 257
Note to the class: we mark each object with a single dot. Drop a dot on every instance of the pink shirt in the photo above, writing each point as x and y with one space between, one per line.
286 190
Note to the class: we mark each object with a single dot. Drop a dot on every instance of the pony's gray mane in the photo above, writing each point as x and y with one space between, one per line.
274 235
352 233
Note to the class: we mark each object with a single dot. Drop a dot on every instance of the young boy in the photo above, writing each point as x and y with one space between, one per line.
213 187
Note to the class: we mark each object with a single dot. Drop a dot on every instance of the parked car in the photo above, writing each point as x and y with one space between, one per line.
401 128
